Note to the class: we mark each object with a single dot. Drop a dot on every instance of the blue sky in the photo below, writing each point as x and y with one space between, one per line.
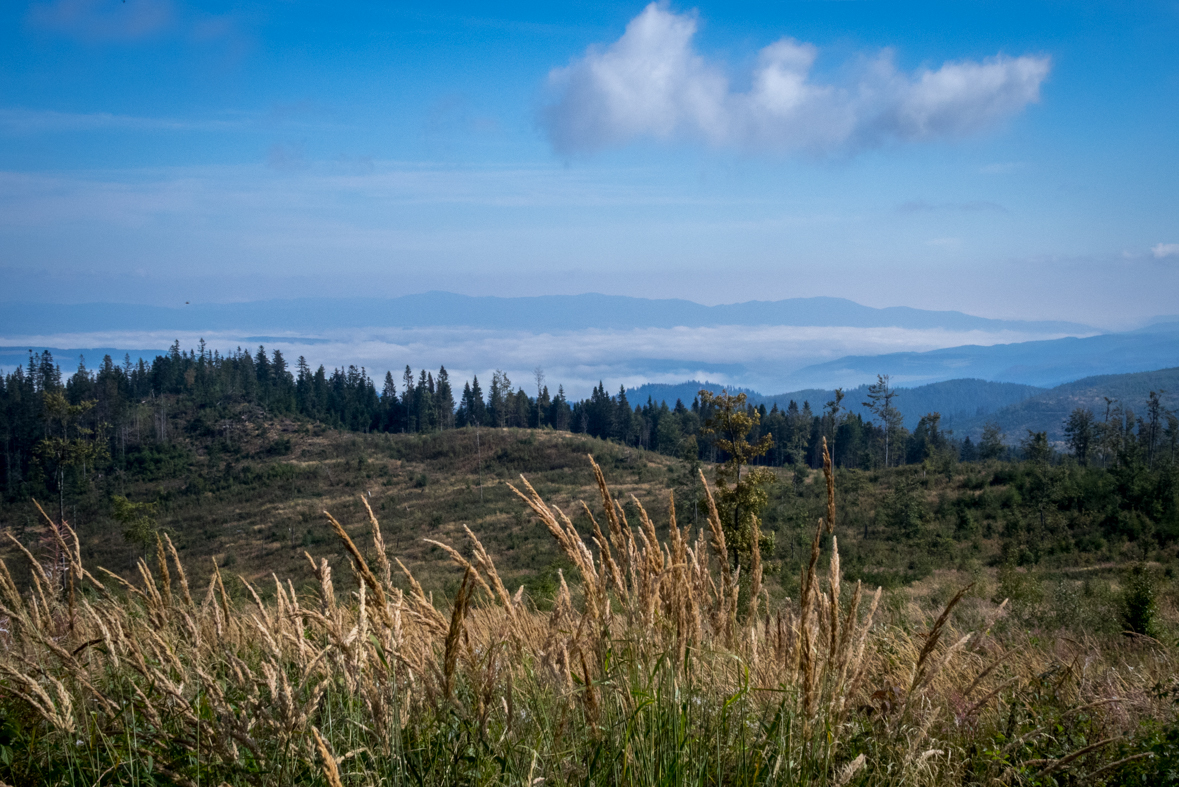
1004 159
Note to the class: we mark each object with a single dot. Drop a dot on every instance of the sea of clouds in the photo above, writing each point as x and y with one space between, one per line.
764 358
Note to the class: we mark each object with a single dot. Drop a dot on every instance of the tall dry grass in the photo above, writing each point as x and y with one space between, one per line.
644 671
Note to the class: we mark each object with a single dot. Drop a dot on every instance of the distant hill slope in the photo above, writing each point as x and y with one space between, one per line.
967 405
1047 411
685 392
958 401
1042 363
534 314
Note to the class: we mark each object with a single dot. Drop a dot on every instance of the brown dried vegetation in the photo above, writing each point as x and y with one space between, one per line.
645 671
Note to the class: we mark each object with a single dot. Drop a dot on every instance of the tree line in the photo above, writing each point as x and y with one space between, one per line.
55 428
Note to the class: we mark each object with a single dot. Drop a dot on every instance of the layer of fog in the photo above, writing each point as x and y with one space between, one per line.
762 358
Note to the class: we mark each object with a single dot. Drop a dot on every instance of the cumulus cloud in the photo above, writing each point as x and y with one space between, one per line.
1164 250
652 83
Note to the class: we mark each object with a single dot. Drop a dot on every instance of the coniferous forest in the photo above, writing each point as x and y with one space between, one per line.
58 428
64 432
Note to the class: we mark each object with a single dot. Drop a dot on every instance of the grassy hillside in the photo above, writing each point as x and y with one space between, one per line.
670 670
252 498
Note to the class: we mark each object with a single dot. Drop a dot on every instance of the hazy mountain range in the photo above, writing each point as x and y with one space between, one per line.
958 401
539 314
966 405
1043 363
579 340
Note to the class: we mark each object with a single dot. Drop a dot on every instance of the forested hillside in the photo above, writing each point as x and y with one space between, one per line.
958 401
1045 363
56 429
270 445
1106 397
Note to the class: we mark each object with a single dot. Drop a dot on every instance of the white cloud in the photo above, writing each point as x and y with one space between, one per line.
763 357
1164 250
652 83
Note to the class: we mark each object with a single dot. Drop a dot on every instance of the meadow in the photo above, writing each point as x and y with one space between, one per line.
646 660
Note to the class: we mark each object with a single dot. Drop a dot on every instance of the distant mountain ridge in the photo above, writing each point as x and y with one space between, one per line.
1047 411
775 359
534 314
1043 363
958 401
967 405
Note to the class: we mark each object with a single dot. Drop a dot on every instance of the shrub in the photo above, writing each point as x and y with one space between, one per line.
1139 602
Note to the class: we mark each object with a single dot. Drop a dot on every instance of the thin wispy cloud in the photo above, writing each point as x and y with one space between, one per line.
1163 250
286 156
103 20
1002 168
136 22
972 206
652 83
16 120
292 189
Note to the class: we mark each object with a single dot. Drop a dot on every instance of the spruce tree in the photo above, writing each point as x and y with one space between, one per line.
741 490
444 400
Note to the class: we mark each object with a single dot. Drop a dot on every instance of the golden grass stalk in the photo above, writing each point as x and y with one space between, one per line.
623 541
362 568
570 543
453 634
755 570
488 564
833 578
717 531
462 563
383 564
331 769
179 572
848 772
654 553
165 575
829 476
806 631
72 550
223 597
609 566
933 637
